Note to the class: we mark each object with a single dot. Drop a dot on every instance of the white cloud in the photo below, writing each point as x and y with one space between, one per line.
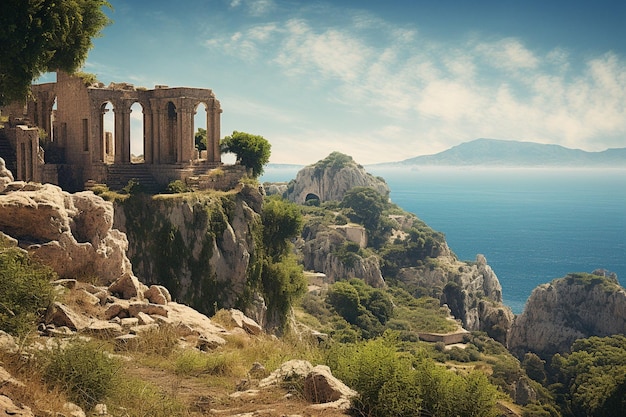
427 95
508 54
254 7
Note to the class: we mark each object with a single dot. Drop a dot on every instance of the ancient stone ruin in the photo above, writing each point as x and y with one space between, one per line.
59 135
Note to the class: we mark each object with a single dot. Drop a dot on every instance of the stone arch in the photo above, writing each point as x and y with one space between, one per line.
201 121
137 132
107 131
312 199
171 132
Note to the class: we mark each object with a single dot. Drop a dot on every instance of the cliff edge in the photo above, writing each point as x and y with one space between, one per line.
576 306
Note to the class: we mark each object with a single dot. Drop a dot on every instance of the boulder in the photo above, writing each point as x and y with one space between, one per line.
126 287
320 386
6 176
102 328
9 408
157 294
207 342
71 233
144 318
242 321
62 315
293 371
151 309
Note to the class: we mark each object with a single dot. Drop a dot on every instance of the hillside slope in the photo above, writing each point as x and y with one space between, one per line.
495 152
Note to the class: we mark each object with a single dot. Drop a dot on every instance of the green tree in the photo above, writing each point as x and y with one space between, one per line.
200 139
282 221
281 275
367 206
591 380
39 36
252 151
345 300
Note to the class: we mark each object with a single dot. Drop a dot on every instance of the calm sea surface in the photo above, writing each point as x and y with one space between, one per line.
533 225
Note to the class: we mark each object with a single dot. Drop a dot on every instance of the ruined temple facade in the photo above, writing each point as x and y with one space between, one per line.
79 149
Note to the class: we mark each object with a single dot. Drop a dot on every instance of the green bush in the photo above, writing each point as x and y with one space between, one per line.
25 290
177 187
393 383
83 371
384 379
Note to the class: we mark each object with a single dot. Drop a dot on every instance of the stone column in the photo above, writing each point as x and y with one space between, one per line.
122 133
147 133
213 132
157 129
126 132
185 136
96 136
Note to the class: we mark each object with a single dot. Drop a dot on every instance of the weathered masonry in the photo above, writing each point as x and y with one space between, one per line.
78 149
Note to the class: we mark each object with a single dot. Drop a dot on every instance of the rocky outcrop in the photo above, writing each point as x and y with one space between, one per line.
71 233
321 250
471 291
200 246
330 178
569 308
319 385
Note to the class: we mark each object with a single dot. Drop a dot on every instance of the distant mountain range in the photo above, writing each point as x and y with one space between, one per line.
494 152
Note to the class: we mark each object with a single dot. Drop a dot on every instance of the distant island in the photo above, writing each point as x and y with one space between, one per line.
496 152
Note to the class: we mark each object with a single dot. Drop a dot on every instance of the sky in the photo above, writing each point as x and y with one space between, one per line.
383 81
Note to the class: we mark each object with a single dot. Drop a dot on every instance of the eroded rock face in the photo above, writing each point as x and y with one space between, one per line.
576 306
330 178
200 249
71 233
471 291
319 254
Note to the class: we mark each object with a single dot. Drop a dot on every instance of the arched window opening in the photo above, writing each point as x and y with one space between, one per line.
136 134
107 133
53 112
172 122
200 131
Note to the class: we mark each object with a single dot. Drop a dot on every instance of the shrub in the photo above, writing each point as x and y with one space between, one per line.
83 371
393 383
177 187
384 379
133 187
25 290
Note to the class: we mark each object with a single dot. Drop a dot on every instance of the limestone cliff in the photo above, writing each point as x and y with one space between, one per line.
569 308
415 254
71 233
199 245
321 251
472 292
330 178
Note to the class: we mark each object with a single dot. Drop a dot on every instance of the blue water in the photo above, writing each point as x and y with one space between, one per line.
532 225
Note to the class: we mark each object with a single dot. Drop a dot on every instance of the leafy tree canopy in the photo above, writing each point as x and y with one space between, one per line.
252 151
39 36
282 221
593 377
367 205
200 139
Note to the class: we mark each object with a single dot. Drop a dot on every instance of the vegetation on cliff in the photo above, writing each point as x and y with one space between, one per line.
25 290
252 151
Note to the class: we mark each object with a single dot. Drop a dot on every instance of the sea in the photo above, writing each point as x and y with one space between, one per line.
532 224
